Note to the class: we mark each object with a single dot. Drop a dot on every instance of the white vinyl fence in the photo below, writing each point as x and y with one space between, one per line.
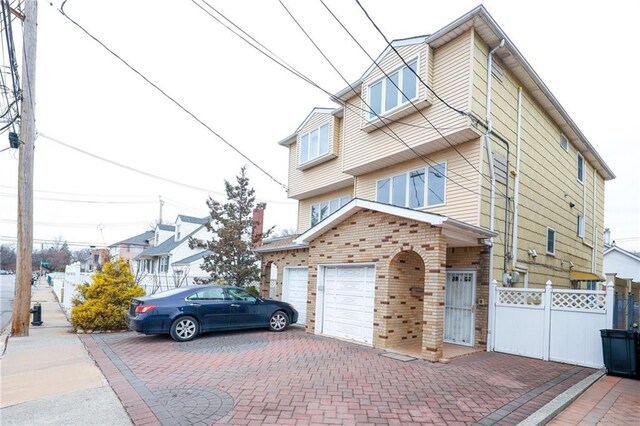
64 284
551 324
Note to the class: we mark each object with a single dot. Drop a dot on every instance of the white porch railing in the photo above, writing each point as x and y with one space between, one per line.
551 324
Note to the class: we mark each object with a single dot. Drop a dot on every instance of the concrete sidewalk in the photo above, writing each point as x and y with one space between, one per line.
49 378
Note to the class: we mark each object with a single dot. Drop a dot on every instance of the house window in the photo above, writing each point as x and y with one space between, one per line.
580 168
580 226
412 188
384 95
314 144
164 264
592 285
564 142
321 211
551 241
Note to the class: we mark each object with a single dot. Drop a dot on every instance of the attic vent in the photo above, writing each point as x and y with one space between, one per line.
497 71
564 142
500 165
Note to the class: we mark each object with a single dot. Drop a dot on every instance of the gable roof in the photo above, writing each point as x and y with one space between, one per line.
138 240
293 137
167 246
453 229
622 251
192 219
163 227
487 28
279 243
193 258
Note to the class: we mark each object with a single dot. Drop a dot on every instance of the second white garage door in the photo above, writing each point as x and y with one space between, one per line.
294 291
348 302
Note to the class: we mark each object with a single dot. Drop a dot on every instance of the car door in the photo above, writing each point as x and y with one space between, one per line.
212 308
245 310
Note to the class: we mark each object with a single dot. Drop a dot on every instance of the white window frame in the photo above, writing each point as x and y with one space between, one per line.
580 176
580 226
372 115
408 187
555 239
564 142
341 202
310 156
163 264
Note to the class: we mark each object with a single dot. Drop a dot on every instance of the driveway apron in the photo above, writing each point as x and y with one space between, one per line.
260 377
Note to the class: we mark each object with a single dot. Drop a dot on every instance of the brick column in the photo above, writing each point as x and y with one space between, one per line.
434 288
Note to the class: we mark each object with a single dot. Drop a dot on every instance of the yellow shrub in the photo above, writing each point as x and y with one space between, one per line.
103 304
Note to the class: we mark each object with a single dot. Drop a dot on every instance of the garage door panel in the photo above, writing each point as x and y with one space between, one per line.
348 302
295 290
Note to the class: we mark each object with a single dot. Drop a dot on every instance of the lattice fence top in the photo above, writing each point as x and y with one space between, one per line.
593 302
521 297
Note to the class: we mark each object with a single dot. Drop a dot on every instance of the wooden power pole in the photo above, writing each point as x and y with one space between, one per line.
22 300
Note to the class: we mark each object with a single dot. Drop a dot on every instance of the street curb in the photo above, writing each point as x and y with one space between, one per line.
545 414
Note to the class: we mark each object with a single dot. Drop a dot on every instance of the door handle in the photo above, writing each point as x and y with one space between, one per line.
195 304
235 305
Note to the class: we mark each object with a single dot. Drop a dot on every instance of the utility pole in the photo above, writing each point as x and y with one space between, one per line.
22 300
160 213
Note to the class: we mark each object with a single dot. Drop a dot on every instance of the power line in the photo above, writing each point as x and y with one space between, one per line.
424 158
83 225
67 200
275 58
166 95
405 63
86 194
151 175
406 97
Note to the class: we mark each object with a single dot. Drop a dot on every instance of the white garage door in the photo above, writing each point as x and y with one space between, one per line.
348 302
294 290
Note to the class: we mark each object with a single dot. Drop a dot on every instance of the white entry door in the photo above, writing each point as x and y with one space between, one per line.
459 308
348 302
294 290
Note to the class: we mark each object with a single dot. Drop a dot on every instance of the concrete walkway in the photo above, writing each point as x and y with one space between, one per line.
49 378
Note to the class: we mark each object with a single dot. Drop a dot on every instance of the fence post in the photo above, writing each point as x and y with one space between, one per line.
546 333
609 304
492 316
630 303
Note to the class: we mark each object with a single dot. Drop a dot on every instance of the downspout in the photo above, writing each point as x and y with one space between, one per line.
594 250
516 185
492 224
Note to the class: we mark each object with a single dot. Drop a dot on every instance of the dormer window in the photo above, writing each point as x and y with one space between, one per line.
384 95
314 144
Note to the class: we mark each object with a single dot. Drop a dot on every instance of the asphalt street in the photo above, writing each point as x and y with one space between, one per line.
7 286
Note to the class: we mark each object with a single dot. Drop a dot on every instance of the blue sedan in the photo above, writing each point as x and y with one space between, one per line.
188 311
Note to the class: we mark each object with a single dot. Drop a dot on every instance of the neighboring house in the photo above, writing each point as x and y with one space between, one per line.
622 267
169 262
403 225
97 259
131 247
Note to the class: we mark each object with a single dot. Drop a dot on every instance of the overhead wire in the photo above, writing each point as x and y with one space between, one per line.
275 58
142 172
172 99
412 103
423 157
67 200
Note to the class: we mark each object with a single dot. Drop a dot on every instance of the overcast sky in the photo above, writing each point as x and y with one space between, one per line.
588 54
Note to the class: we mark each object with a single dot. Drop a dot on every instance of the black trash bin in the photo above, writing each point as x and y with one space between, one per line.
621 353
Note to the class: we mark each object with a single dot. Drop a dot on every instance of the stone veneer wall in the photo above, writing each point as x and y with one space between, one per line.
375 237
297 257
476 258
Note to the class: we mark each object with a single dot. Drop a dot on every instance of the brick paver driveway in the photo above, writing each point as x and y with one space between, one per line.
293 377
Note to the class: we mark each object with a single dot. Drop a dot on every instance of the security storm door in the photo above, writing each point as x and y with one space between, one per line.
294 291
348 302
459 308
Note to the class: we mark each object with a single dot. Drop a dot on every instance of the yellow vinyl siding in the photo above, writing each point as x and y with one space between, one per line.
304 206
321 177
461 185
548 183
366 152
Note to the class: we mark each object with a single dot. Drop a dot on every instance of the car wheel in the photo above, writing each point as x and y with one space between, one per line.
279 321
184 329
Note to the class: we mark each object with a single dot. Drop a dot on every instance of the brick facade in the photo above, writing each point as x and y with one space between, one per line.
407 254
